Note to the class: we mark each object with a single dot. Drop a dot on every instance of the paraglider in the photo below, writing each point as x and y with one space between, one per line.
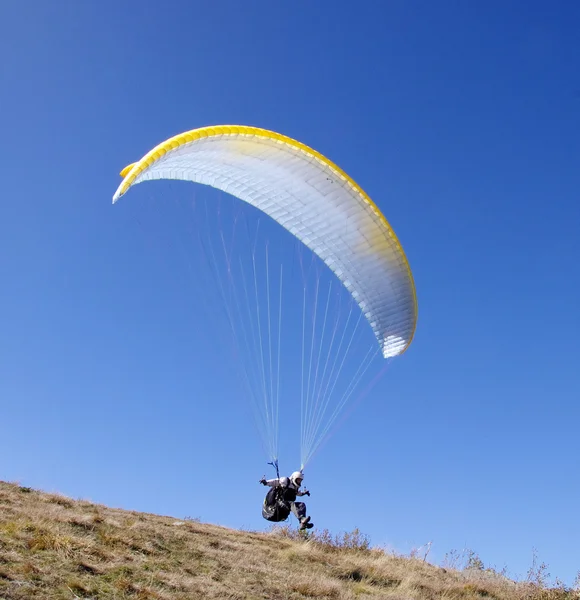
330 215
280 501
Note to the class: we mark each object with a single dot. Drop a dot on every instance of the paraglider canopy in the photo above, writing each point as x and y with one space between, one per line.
313 199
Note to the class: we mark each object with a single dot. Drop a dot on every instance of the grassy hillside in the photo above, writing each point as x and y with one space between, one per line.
54 547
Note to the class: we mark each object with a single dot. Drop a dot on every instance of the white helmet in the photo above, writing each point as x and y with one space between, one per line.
295 476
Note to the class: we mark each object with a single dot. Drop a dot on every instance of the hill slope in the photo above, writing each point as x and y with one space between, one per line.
54 547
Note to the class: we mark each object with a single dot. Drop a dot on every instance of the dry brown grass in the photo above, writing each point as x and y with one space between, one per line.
52 547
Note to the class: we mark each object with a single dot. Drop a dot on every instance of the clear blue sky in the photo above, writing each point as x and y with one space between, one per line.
460 119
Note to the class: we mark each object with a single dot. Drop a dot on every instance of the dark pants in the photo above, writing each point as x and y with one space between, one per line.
298 509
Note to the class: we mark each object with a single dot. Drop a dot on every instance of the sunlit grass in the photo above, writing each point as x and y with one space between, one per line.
53 547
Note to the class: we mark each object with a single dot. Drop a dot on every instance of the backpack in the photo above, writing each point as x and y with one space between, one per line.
275 507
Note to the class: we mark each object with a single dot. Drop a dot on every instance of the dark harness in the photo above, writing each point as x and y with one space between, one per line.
276 505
